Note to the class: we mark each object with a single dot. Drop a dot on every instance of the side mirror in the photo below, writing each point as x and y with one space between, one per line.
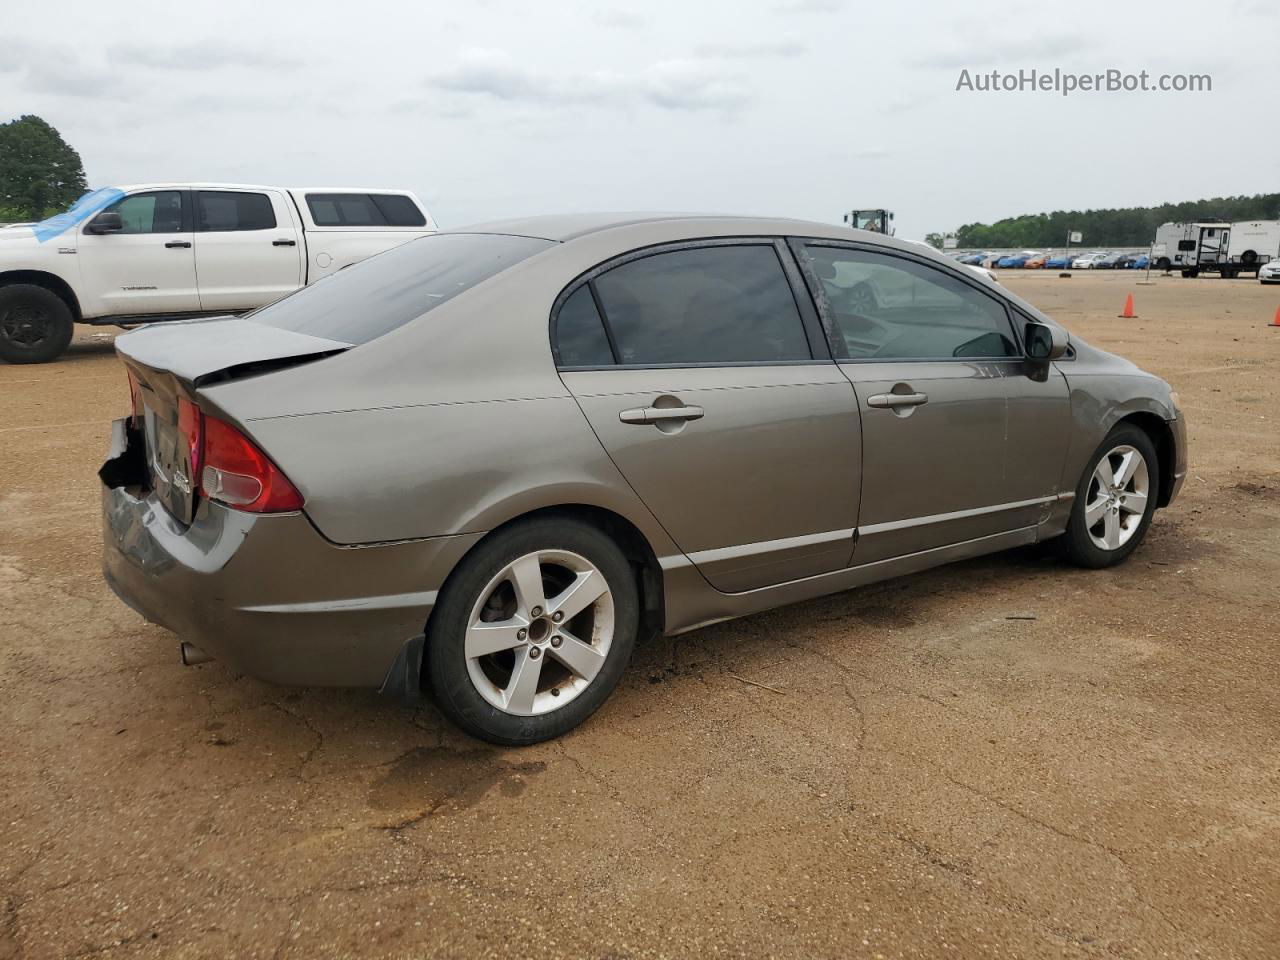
106 222
1044 342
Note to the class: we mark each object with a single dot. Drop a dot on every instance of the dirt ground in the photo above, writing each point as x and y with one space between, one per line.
927 778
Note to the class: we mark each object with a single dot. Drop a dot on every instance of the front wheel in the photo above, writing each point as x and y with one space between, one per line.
35 324
533 631
1114 501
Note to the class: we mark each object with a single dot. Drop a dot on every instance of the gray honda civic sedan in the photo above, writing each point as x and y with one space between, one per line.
484 464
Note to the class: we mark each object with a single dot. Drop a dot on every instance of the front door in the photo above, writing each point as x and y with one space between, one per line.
248 249
148 267
924 350
702 375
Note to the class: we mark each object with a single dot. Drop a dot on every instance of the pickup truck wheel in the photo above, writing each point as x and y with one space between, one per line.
35 324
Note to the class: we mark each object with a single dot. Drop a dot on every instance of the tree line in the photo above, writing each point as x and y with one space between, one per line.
1124 227
40 173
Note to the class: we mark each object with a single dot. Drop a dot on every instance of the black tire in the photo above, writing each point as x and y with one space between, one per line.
1077 544
448 677
1163 263
1191 273
35 324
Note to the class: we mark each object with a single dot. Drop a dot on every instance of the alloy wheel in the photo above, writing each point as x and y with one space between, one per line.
27 326
1117 497
539 633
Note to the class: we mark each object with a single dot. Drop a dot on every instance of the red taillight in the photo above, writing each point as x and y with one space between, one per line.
235 472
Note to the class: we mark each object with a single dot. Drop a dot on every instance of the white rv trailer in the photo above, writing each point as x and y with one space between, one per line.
1191 247
1253 243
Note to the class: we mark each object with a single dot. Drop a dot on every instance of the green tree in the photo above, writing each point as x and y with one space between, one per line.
40 174
1127 227
934 240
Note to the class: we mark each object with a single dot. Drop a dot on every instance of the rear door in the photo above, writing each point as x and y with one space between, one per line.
248 248
924 350
704 377
148 267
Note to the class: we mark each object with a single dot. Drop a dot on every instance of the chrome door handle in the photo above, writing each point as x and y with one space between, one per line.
897 399
660 414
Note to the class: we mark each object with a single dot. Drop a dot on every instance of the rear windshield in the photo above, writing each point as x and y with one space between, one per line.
362 302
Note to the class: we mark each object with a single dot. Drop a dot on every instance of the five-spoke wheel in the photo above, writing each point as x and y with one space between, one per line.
533 630
1115 499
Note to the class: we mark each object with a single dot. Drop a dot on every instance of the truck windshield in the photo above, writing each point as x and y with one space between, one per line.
373 297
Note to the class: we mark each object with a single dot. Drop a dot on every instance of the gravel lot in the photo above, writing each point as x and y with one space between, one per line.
931 775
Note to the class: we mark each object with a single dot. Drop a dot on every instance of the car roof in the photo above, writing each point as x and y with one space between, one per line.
192 185
563 228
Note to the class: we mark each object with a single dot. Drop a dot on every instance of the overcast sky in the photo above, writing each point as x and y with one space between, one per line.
806 108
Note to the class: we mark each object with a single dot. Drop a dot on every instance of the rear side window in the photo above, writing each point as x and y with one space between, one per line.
716 304
364 210
224 210
580 337
373 297
398 210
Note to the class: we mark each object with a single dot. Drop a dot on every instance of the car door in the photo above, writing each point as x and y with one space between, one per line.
923 349
148 266
703 375
248 249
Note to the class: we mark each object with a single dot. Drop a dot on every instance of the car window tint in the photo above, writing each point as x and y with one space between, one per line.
158 212
223 210
348 210
890 308
368 299
580 336
719 304
398 210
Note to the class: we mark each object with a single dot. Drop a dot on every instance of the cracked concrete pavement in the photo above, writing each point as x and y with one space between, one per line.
926 777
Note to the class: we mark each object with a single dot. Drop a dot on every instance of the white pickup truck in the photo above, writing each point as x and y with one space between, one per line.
167 251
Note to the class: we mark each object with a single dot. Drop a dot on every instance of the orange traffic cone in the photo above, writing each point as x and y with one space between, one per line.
1275 322
1128 309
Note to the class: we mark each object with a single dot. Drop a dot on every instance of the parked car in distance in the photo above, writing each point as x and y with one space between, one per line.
972 259
1059 261
1087 260
1108 263
1140 262
1036 263
1013 261
531 432
163 251
1269 272
1126 260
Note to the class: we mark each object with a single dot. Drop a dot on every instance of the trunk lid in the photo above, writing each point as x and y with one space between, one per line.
170 361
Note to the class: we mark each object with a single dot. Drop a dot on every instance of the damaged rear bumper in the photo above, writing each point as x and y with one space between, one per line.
267 594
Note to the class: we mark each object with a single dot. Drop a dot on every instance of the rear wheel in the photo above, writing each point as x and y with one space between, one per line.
35 324
533 631
1114 501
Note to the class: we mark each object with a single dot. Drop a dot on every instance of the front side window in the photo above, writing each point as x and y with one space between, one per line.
715 304
157 212
225 210
891 308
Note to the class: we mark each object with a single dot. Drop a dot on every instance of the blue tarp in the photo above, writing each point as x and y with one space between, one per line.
81 210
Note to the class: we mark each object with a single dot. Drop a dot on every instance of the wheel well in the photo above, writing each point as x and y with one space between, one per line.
634 546
49 281
1162 439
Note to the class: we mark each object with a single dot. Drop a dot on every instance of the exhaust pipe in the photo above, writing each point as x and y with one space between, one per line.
192 655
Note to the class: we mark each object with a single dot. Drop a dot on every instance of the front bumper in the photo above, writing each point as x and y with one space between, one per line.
267 594
1179 428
